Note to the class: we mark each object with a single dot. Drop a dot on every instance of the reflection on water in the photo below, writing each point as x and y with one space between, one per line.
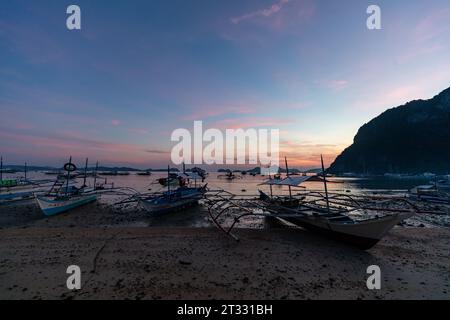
246 184
242 185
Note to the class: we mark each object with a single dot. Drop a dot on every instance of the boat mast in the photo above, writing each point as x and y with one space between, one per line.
85 172
95 175
25 170
287 174
68 174
1 168
168 180
325 184
270 183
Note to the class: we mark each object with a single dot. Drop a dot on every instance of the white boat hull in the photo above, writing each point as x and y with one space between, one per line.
51 207
364 234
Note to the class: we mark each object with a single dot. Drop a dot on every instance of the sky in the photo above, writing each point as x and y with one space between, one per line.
115 90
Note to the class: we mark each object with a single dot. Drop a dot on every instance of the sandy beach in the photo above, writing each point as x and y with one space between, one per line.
122 261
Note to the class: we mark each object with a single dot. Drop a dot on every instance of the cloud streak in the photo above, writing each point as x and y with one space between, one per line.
260 13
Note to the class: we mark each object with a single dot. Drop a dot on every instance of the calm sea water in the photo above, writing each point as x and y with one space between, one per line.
242 185
246 184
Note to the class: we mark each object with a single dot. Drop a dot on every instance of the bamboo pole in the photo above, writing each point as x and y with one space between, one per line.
168 181
95 175
287 174
68 175
85 173
325 184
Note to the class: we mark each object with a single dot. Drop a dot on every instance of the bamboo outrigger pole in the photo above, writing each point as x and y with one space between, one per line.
270 184
95 175
287 174
85 173
168 181
325 184
68 175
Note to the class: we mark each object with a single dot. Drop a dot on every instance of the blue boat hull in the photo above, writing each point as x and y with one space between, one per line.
176 200
54 207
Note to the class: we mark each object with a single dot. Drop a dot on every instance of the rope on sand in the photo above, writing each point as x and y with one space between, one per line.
93 271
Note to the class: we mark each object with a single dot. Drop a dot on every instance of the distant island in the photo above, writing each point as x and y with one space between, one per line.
413 138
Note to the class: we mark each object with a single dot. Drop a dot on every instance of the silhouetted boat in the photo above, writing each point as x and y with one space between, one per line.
181 198
63 196
429 193
175 200
325 219
144 173
443 185
12 190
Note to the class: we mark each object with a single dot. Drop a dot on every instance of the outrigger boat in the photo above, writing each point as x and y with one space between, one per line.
328 220
443 185
429 193
51 205
335 222
17 189
230 176
63 197
181 198
358 220
172 179
144 173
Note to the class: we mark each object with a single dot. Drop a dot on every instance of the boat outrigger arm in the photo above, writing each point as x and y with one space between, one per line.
309 211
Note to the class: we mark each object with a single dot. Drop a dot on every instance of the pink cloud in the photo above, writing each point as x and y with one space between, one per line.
307 154
115 122
210 111
261 13
139 130
433 25
427 37
253 122
335 85
34 43
53 147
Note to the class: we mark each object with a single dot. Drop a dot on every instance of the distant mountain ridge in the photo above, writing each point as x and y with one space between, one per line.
412 138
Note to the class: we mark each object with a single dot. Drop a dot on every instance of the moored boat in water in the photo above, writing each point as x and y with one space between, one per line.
51 205
181 198
337 222
63 196
429 193
363 234
359 220
171 201
144 173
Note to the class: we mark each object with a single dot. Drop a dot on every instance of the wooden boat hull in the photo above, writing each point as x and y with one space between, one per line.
51 207
162 209
178 200
362 234
429 193
15 196
445 187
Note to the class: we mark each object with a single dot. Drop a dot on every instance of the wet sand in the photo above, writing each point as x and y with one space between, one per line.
121 261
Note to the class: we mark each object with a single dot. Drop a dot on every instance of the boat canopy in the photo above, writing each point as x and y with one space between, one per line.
288 181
